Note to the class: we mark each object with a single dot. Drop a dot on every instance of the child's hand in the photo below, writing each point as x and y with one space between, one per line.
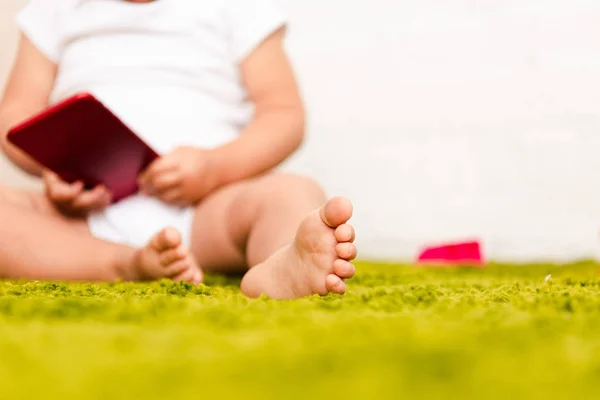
71 199
182 177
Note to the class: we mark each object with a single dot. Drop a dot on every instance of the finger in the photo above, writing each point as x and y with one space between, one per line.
173 196
49 180
49 176
63 192
59 186
96 198
160 166
164 182
53 178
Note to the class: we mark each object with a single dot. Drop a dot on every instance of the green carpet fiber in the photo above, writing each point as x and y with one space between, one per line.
502 332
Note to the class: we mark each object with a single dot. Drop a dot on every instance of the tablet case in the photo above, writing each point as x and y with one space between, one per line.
80 139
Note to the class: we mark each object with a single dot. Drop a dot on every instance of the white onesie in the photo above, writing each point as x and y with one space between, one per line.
167 68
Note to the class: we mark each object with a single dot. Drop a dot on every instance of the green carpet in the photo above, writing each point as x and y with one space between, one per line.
401 332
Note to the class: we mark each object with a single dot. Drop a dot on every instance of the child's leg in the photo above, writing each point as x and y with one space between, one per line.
37 243
281 226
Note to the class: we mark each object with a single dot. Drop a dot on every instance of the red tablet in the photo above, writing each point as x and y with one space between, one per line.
80 139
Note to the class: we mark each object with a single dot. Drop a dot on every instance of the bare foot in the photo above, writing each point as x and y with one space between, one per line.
166 257
318 262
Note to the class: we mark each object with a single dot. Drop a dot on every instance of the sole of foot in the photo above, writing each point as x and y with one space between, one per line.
317 262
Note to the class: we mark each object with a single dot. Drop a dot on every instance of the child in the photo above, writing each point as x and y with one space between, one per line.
209 86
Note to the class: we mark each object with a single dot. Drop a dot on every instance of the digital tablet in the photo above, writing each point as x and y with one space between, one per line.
81 140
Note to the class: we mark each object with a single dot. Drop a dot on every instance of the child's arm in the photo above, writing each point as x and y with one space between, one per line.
187 175
277 129
28 89
26 94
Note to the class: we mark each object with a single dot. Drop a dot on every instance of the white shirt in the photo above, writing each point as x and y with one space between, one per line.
168 69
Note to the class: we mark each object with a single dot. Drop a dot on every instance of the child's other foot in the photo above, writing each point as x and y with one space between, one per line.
166 257
318 262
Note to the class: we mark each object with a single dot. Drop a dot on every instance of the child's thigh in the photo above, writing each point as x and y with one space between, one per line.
220 228
38 203
223 221
27 199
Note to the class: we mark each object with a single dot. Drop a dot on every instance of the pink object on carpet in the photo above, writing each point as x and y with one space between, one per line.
466 253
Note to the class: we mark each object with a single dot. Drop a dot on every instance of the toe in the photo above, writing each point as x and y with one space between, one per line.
195 276
336 211
343 269
344 233
335 284
346 251
198 277
166 239
191 274
178 269
170 256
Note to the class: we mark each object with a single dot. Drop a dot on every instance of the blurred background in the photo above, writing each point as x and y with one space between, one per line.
445 121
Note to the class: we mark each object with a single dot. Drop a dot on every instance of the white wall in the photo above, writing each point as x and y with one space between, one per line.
451 120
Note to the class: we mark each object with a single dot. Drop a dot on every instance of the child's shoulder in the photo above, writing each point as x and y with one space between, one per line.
229 6
52 6
41 21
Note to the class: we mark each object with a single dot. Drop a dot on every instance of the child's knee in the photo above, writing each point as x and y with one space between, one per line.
295 186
